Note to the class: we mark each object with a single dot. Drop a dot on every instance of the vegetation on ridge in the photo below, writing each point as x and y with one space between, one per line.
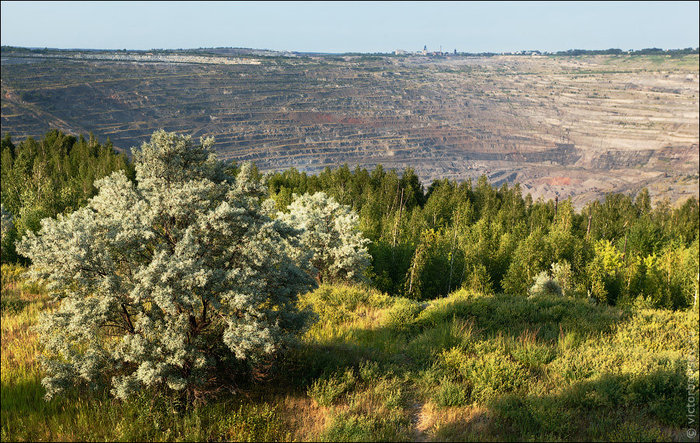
375 367
485 315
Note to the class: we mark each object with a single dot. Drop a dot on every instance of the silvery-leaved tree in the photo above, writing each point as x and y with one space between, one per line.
167 283
330 234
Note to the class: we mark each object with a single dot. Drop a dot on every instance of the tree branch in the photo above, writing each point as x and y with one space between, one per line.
128 319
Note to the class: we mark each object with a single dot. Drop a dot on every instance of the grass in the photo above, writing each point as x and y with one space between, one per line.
374 367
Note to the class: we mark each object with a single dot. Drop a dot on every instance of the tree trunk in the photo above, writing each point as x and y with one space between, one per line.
590 217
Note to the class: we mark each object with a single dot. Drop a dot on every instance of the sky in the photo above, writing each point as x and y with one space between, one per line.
352 26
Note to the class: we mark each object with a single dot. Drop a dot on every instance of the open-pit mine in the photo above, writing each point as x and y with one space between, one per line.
576 127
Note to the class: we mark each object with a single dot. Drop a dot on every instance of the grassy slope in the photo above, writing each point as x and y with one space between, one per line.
380 368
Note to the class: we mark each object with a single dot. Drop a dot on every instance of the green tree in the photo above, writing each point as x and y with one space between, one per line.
7 237
604 272
54 175
532 256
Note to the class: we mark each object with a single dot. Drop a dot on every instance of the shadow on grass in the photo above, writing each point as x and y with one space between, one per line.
646 407
309 362
448 322
512 315
147 417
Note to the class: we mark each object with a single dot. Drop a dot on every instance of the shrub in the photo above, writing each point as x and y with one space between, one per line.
168 284
331 235
563 275
603 272
446 335
451 394
529 352
352 427
545 285
493 373
404 313
328 389
13 275
480 281
254 423
337 303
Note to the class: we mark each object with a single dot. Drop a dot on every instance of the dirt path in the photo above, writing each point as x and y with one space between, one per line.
420 420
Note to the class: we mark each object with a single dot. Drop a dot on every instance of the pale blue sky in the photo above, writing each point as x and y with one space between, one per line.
351 26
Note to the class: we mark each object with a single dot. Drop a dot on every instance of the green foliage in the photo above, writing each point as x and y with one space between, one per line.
604 272
375 409
327 390
173 284
531 352
562 274
338 303
466 367
529 259
478 375
254 423
480 280
355 427
52 176
8 234
404 313
557 281
426 244
184 283
452 394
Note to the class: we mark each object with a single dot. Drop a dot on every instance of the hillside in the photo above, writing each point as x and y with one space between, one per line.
469 367
171 302
569 126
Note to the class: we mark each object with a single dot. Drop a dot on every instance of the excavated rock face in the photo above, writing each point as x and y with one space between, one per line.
567 126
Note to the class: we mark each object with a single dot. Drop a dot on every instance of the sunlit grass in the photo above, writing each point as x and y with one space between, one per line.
374 367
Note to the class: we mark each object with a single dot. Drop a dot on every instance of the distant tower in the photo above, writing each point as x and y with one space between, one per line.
425 49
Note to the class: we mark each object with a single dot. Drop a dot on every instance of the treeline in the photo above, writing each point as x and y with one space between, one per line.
425 243
617 51
51 176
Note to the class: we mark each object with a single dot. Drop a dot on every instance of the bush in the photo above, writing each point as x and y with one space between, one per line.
545 285
174 283
254 423
528 351
604 273
480 281
8 235
563 275
328 389
337 303
331 235
404 313
451 394
353 427
13 275
494 373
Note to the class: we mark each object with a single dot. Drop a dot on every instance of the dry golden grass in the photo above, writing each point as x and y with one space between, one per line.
452 423
19 342
306 418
